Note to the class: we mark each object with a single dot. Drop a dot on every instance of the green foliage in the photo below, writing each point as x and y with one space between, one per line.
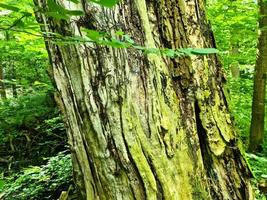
258 166
235 26
119 40
30 129
17 15
53 125
240 105
24 63
24 111
9 7
44 182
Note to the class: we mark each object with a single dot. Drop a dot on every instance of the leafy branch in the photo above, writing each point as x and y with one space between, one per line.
58 12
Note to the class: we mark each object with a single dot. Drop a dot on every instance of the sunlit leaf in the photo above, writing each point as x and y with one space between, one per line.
169 52
106 3
204 51
8 7
57 15
94 35
120 33
54 7
75 12
128 39
2 183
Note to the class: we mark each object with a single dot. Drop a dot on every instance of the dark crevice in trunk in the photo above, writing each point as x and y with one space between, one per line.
144 81
160 192
244 169
203 140
164 82
206 153
161 28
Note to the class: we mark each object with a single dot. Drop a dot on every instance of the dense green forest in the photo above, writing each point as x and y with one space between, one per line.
133 99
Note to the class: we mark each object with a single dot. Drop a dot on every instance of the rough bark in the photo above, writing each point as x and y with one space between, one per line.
259 90
146 126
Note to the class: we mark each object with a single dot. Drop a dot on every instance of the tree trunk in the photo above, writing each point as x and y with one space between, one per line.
258 105
13 78
2 84
143 126
234 66
233 53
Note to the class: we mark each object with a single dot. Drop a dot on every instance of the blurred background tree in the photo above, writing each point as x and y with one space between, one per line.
259 90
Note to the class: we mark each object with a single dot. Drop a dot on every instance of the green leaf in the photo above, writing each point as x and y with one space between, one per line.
54 7
2 183
169 52
75 12
106 3
57 15
74 1
94 35
119 33
116 43
26 14
139 47
187 51
18 23
128 39
152 51
204 51
8 7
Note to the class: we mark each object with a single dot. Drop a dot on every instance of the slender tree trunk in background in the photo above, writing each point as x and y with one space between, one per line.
9 36
234 66
258 105
145 126
13 77
235 71
2 84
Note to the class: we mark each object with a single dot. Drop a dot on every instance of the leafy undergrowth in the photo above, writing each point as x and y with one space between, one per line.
39 182
240 104
31 129
32 134
258 165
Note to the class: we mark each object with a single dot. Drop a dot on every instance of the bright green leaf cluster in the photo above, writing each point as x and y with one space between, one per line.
40 182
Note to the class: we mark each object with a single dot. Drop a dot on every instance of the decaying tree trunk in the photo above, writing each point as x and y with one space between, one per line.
142 126
258 105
